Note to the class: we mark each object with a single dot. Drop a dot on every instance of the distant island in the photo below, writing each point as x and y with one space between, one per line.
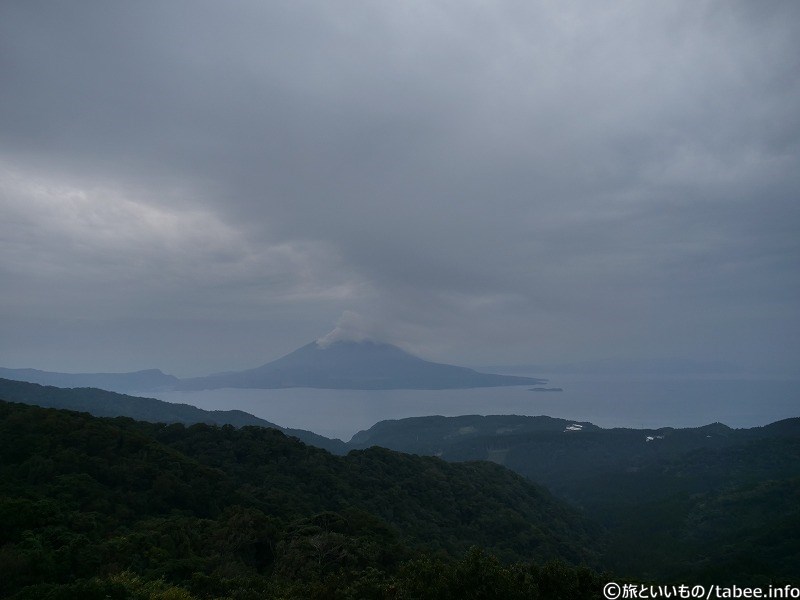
544 389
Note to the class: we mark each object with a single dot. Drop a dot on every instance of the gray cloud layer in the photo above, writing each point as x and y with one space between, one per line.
201 185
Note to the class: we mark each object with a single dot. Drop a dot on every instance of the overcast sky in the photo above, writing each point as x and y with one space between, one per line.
200 186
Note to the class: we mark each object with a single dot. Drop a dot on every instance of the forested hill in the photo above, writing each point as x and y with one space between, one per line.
102 403
99 503
575 459
698 504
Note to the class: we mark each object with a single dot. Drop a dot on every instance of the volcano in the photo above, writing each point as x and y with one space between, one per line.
355 365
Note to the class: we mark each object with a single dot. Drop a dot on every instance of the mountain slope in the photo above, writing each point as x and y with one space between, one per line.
354 365
102 403
149 380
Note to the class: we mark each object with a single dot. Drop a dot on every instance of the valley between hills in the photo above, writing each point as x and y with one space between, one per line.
148 495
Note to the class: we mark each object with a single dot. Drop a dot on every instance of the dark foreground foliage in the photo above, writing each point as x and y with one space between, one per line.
475 576
114 508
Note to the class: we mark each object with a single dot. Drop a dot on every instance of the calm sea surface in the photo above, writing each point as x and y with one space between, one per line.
607 402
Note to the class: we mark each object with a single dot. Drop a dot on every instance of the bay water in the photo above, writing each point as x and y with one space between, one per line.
638 402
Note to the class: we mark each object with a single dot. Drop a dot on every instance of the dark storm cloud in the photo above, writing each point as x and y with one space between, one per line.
488 181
